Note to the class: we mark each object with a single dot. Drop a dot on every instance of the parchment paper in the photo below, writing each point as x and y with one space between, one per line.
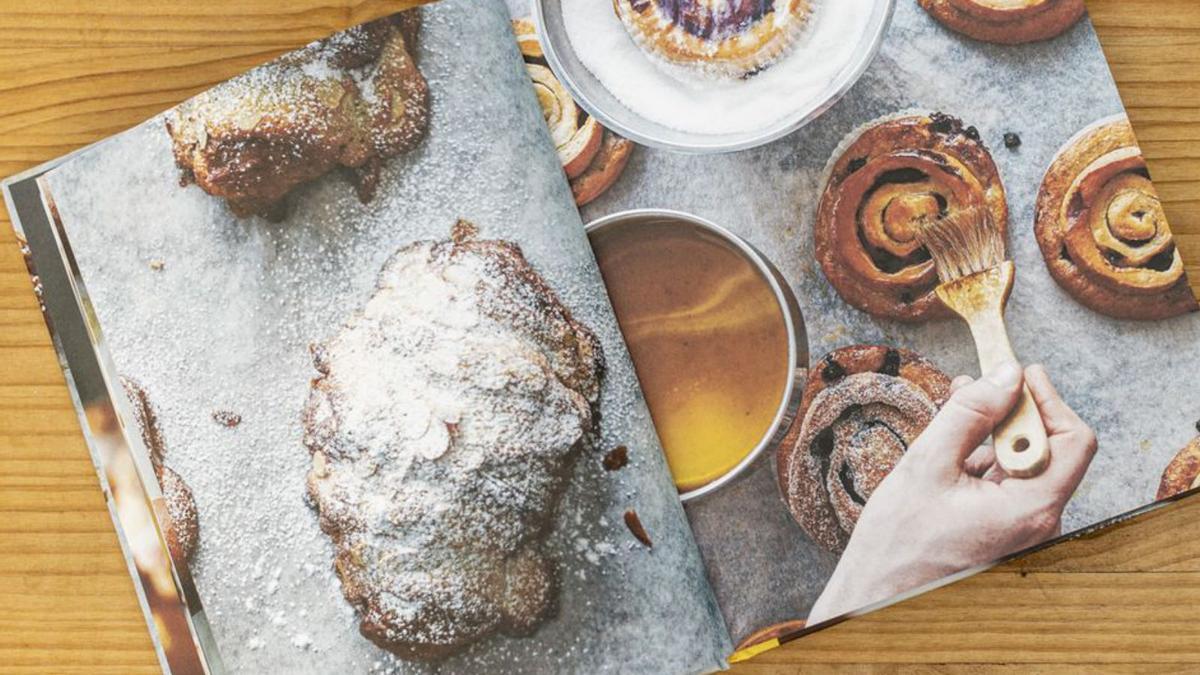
1134 382
226 322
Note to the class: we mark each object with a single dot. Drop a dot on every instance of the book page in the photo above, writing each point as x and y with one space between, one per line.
358 329
777 467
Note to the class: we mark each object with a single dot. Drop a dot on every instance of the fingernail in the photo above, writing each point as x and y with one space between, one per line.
1006 376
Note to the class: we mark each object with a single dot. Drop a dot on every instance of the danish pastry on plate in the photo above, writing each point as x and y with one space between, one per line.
714 38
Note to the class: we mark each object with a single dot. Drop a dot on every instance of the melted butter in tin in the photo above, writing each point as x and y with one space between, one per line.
707 337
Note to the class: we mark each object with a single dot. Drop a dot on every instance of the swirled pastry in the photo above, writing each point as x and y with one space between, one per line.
1007 21
1102 229
353 101
886 180
1183 473
714 38
592 157
443 427
862 407
182 529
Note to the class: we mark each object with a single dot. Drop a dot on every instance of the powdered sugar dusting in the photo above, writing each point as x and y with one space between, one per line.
227 323
443 427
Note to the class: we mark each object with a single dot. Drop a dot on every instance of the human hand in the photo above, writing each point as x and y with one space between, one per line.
947 506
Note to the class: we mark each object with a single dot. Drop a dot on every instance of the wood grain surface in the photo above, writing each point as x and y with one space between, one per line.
75 71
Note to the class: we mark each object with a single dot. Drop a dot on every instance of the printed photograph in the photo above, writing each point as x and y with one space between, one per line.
639 336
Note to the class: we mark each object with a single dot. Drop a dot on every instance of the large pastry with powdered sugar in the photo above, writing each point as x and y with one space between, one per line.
353 101
443 427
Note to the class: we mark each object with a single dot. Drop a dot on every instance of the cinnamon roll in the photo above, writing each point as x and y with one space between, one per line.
1102 230
862 407
1006 21
1183 473
714 39
592 156
887 180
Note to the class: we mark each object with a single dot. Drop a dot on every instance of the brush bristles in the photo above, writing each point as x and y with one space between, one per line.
962 243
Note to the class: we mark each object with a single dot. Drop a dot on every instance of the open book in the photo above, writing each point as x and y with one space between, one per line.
367 395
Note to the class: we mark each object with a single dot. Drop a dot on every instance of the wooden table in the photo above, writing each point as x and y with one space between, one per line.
1125 600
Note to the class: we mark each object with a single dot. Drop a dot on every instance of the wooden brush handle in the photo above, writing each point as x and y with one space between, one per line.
1022 448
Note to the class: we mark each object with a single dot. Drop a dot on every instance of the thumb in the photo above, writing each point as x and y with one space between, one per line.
969 417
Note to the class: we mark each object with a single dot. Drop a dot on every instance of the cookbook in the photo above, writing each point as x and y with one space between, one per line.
408 351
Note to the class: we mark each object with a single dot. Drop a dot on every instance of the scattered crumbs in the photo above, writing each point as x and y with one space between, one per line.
227 418
301 641
157 265
1012 141
1144 445
616 458
635 526
255 643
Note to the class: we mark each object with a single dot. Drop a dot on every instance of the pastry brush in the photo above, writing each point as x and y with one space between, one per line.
976 281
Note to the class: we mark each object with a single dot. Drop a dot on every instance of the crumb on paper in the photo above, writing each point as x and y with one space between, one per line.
836 334
301 641
616 458
158 265
226 418
635 526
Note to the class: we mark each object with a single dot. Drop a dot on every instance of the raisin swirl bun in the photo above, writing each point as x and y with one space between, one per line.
592 157
862 407
1183 473
1006 21
714 39
1102 229
889 178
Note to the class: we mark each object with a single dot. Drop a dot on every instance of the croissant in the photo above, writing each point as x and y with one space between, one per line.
353 101
443 426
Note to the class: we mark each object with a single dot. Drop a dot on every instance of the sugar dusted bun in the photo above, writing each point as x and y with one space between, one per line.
862 407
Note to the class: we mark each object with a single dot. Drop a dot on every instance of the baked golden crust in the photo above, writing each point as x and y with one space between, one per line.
605 169
725 40
861 408
1102 229
592 156
888 179
1007 21
182 529
353 101
1182 473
